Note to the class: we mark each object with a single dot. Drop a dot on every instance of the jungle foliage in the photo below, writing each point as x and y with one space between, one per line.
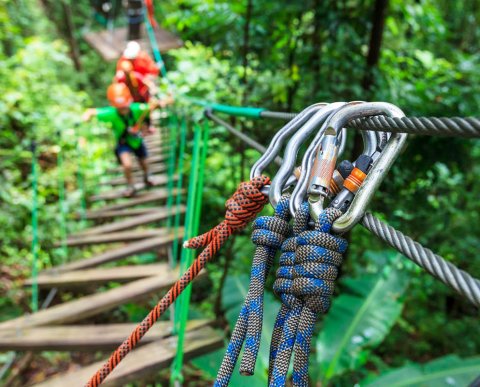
390 323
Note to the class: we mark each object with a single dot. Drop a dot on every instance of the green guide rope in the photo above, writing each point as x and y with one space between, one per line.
62 204
34 228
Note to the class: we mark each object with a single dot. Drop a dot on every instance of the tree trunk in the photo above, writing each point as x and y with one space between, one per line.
74 51
246 48
373 57
317 47
378 24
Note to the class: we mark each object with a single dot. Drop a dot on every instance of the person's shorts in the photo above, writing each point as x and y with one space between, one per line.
140 153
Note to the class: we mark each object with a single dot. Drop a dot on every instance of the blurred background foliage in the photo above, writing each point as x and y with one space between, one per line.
388 316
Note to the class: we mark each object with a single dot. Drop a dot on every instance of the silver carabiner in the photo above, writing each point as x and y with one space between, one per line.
277 140
380 167
292 148
300 191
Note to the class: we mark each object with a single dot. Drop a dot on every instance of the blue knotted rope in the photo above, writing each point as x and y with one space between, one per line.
269 232
305 283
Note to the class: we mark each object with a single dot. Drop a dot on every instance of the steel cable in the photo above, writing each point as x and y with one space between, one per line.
468 127
462 282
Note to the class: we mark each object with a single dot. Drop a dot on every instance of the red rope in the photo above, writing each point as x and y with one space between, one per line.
242 207
151 13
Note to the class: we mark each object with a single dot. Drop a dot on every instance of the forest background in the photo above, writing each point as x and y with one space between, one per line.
421 55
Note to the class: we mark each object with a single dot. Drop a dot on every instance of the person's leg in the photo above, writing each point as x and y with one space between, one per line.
141 154
126 161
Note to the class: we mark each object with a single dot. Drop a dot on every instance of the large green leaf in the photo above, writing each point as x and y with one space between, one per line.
447 371
233 296
359 320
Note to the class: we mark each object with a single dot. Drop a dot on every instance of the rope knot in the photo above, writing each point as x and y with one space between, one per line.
242 207
318 256
270 232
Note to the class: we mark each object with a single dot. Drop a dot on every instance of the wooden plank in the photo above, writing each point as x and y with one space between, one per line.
114 237
151 160
83 337
128 250
121 213
140 198
120 193
97 276
156 216
111 43
91 305
137 175
144 361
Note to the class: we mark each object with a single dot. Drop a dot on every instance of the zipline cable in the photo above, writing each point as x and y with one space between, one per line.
466 127
459 280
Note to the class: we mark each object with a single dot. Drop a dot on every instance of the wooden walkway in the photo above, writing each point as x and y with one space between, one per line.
82 337
139 230
140 220
110 44
127 250
157 195
119 193
144 361
114 237
98 276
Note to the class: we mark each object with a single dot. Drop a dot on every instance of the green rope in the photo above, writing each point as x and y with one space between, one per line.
182 303
34 228
62 205
238 111
194 222
154 44
181 153
81 185
173 122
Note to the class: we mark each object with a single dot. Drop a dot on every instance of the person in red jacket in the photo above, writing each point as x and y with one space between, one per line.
138 84
142 62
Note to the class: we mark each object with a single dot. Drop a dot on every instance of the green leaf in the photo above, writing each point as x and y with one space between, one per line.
447 371
359 320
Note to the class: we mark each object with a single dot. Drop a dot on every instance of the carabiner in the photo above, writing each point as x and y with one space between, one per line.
381 165
300 191
277 140
293 146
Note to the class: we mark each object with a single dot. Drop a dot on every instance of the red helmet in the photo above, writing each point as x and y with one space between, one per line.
119 95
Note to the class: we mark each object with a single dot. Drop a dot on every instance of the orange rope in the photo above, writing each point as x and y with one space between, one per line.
242 207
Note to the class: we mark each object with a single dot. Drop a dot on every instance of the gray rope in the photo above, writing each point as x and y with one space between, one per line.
459 280
242 136
468 127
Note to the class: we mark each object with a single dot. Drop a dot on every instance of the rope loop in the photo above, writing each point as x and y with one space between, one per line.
305 283
269 232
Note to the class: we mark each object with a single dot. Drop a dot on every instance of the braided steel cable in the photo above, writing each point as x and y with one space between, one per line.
278 115
269 232
242 207
459 280
468 127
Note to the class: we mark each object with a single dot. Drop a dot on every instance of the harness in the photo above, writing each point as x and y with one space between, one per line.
127 120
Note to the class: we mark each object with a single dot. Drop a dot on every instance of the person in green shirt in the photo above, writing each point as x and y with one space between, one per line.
128 121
